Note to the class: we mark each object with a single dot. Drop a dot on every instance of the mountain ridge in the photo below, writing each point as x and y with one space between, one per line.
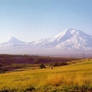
71 39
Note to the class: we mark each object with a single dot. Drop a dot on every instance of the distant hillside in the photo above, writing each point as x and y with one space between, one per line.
27 59
12 62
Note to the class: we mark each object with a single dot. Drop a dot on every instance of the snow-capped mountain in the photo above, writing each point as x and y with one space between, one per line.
74 39
70 39
13 42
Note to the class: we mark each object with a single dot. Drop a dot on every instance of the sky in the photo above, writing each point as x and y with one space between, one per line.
31 20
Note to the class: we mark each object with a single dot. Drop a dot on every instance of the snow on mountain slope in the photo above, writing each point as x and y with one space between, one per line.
71 39
75 39
49 42
13 42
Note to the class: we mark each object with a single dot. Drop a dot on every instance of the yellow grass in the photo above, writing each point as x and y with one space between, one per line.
75 74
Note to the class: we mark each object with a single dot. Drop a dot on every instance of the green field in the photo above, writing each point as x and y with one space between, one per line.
75 77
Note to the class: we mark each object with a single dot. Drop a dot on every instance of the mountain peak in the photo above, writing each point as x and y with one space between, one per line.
70 39
68 33
14 40
73 31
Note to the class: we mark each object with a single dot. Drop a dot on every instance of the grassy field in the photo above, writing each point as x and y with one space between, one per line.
76 77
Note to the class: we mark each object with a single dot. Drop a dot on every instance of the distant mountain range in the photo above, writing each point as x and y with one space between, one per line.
72 40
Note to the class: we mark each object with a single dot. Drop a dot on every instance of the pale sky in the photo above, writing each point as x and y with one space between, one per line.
30 20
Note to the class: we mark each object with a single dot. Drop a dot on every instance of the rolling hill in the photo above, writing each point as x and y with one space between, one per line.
76 77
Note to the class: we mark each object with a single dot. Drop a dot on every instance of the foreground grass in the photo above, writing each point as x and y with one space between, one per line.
71 78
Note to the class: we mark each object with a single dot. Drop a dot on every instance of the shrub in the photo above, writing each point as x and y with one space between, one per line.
60 64
42 66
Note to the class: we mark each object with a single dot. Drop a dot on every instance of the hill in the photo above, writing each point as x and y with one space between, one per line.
76 77
12 62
